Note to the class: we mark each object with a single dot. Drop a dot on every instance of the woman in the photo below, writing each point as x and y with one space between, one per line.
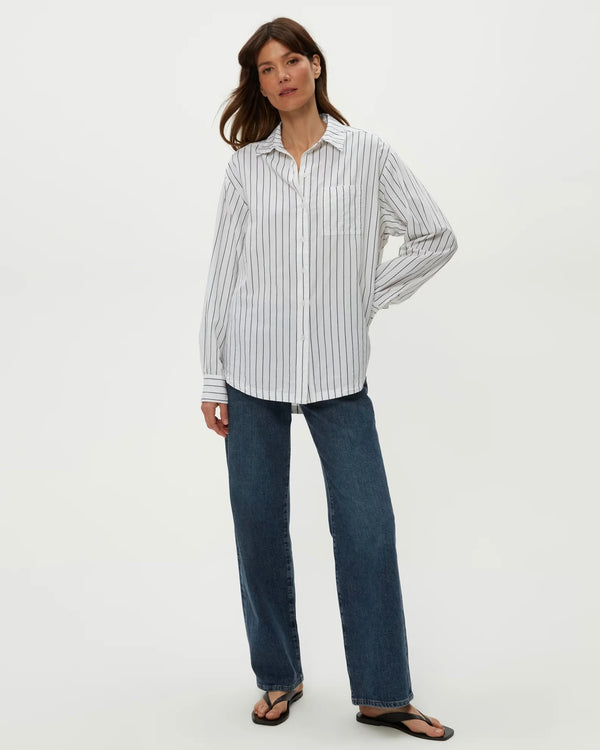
296 277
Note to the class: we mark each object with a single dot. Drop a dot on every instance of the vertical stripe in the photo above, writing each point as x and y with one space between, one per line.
296 272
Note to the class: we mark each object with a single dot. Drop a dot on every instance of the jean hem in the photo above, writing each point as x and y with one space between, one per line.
382 704
280 685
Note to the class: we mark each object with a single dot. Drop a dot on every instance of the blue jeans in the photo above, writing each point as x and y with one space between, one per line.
361 522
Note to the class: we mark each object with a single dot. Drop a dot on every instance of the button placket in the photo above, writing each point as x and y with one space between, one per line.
303 289
297 178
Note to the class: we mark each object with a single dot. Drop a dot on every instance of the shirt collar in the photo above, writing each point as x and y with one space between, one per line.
334 134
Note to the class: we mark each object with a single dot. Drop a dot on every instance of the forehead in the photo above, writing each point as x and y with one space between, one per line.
271 50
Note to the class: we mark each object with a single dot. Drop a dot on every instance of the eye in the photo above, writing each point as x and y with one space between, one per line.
292 59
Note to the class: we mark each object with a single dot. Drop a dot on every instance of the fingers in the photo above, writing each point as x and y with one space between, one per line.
220 426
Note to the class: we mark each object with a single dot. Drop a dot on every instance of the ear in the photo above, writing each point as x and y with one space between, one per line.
316 62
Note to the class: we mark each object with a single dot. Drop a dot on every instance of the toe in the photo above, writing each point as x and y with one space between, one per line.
436 722
423 726
260 708
276 712
264 712
437 730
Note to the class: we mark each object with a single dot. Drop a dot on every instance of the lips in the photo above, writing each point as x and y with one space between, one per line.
286 91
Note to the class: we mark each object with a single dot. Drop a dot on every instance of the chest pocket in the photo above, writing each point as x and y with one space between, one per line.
341 210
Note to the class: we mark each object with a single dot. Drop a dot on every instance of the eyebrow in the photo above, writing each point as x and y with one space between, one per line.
268 62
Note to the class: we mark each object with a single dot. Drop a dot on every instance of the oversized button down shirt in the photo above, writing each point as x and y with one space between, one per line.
296 274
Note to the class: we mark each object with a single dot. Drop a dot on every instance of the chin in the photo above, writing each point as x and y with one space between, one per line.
290 106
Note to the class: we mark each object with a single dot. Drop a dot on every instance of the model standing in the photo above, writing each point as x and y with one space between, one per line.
296 277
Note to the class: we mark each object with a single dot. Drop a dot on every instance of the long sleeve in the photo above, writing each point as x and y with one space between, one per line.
408 210
230 224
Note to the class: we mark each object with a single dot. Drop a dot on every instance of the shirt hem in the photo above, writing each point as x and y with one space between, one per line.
321 396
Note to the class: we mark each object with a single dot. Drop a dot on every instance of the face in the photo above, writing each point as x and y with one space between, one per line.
279 69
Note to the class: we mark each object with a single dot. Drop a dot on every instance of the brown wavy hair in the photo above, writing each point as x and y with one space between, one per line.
254 117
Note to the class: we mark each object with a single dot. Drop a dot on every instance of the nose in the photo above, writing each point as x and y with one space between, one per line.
284 75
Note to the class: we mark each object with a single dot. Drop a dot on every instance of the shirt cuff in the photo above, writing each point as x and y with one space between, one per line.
214 389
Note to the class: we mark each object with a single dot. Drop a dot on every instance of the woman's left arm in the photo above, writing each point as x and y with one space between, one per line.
408 210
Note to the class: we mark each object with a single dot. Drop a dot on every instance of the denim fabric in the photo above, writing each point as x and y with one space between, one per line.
362 526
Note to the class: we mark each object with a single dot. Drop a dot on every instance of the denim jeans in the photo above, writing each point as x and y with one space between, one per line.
361 523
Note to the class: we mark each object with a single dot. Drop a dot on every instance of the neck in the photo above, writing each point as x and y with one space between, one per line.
301 129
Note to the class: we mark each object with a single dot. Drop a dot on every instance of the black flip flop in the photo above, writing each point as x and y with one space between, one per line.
395 718
290 697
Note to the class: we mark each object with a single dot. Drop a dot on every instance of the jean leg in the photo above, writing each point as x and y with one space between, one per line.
362 524
258 461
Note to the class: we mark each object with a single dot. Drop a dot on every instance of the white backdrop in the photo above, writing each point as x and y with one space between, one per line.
122 623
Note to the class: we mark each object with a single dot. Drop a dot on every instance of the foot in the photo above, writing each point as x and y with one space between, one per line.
262 710
415 725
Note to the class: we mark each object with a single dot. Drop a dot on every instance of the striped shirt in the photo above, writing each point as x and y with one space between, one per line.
296 274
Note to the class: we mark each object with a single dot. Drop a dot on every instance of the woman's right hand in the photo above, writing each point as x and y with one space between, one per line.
220 426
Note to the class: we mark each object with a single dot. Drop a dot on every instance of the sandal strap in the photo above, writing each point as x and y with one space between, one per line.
427 719
404 716
284 697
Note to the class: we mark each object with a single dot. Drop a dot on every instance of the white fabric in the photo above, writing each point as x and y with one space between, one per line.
296 275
